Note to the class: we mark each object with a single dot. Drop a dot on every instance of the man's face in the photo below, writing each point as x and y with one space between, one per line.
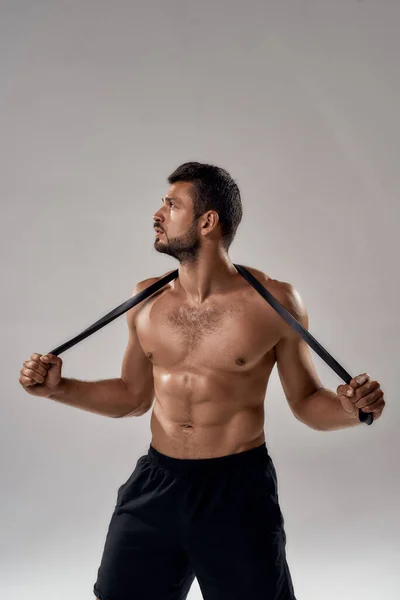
179 237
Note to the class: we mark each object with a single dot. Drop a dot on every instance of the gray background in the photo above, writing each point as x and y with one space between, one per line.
99 101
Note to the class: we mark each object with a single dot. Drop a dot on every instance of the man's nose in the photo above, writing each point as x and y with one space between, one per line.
158 216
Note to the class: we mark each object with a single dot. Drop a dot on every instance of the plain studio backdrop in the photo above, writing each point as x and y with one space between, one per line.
99 102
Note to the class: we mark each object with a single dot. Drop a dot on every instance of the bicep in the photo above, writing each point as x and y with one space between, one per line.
137 369
294 362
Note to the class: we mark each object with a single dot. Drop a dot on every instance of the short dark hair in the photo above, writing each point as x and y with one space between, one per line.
214 189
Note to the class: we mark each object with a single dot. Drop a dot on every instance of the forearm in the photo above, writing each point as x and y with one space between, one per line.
323 411
109 397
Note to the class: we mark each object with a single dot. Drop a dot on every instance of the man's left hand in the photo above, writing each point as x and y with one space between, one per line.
365 394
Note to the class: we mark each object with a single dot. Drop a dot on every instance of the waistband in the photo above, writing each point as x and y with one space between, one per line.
208 464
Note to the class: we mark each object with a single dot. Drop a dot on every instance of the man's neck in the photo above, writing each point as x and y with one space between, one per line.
205 276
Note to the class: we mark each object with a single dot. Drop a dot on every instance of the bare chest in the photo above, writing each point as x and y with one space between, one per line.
219 335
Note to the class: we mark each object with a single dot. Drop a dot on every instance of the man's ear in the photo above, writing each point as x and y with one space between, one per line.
210 221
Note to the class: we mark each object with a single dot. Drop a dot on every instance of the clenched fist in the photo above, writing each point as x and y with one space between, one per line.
362 393
41 374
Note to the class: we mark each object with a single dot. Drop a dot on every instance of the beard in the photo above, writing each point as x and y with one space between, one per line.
185 248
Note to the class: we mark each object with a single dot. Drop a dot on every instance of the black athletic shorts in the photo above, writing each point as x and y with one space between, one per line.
216 519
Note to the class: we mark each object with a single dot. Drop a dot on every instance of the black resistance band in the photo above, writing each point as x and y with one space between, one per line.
307 337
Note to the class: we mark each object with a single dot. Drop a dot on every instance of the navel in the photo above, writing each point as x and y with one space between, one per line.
240 361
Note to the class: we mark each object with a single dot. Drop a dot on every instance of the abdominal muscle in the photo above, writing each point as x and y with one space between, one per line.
220 415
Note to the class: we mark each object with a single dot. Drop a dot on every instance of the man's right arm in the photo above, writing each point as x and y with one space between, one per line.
131 394
108 397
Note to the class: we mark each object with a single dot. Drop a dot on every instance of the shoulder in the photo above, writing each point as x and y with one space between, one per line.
142 285
284 292
139 287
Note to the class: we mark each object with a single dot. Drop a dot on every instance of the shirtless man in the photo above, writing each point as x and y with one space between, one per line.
203 502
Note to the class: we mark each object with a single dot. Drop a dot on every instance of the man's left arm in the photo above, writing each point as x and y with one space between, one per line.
310 402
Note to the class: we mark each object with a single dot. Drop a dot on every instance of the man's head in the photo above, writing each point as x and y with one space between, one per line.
202 205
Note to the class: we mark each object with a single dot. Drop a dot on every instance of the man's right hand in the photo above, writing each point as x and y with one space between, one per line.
41 374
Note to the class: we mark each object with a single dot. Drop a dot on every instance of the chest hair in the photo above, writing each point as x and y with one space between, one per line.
194 324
